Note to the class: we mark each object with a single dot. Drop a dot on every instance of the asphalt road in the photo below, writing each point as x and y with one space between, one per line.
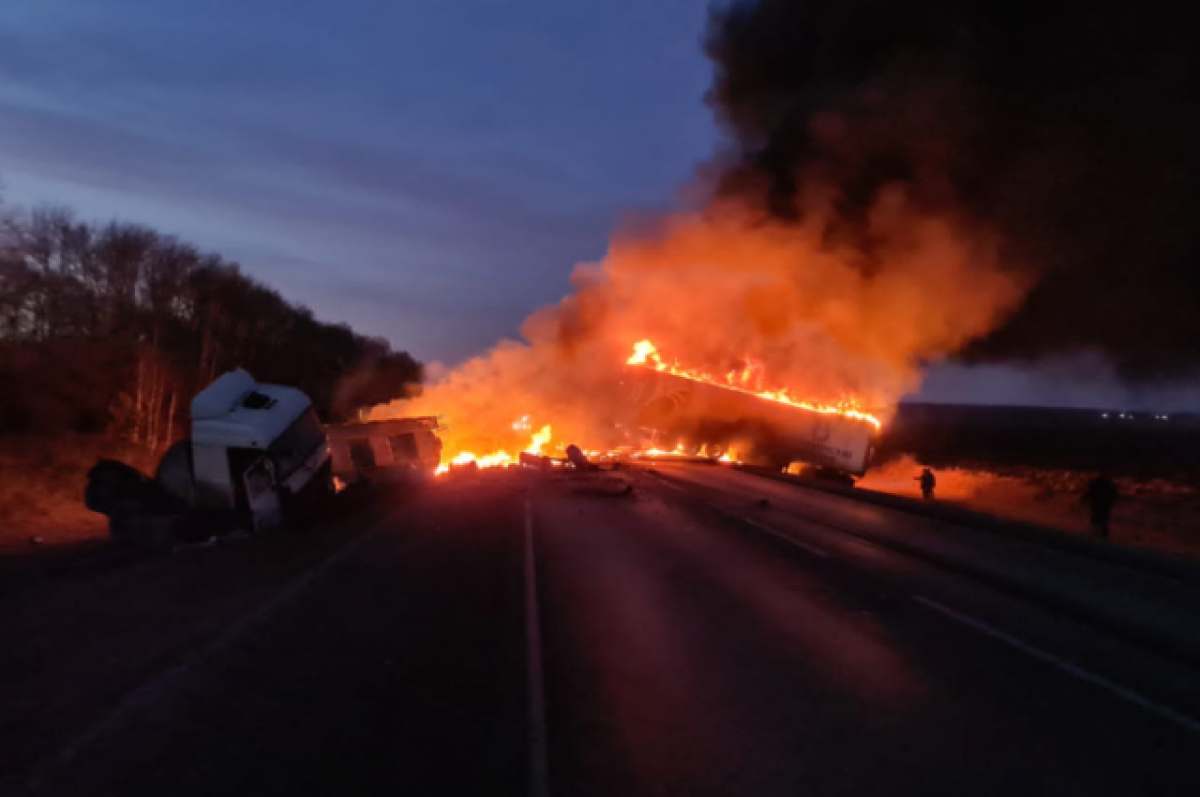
674 635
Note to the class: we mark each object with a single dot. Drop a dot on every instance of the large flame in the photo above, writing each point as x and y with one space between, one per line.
748 380
499 459
749 303
539 439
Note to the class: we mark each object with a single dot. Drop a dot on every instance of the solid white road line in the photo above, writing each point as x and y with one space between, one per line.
1122 692
539 767
673 486
814 550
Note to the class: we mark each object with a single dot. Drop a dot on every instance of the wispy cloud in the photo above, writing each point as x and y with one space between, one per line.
471 150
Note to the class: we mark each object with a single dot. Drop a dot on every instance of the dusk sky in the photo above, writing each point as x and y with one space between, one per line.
428 171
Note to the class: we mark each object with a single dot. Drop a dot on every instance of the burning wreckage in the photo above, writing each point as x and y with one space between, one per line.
733 413
670 411
258 456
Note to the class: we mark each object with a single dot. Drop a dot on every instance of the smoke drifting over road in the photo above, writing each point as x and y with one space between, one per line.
1072 135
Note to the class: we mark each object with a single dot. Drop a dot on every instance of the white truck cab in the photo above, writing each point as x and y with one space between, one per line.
256 450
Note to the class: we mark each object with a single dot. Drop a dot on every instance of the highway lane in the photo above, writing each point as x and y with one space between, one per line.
948 569
689 654
678 650
400 667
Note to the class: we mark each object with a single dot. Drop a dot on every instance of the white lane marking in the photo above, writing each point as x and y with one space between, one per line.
675 487
539 768
1072 669
814 550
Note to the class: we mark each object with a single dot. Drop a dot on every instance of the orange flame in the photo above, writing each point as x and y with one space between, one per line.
499 459
645 354
539 439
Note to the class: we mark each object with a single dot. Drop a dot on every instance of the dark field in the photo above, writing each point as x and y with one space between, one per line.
1033 464
1141 445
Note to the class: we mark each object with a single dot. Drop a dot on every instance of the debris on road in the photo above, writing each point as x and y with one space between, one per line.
576 457
538 461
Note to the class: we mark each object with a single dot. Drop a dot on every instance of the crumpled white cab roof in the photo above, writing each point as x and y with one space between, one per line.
237 412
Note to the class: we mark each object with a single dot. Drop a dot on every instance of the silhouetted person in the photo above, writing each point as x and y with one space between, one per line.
1100 495
928 482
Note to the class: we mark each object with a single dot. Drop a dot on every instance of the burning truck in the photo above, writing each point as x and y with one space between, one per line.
257 457
714 415
655 408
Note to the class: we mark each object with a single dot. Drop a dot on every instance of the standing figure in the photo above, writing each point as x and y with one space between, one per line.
1100 495
928 482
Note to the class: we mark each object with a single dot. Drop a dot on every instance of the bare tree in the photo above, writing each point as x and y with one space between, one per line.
163 319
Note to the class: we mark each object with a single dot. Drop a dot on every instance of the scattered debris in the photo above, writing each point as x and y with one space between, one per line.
576 457
529 460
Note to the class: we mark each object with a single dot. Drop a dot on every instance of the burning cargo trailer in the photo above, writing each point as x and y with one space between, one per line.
764 430
392 451
256 457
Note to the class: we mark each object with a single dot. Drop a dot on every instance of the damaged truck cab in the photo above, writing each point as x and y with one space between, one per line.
257 451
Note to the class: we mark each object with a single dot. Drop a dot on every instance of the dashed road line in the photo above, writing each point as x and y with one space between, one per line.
1122 692
814 550
1112 687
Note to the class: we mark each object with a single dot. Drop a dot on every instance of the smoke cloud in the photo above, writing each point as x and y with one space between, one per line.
902 183
728 285
1072 134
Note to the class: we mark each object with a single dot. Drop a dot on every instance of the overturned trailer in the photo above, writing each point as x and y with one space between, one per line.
391 451
773 433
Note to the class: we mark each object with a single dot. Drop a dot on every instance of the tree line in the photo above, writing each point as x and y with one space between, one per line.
114 327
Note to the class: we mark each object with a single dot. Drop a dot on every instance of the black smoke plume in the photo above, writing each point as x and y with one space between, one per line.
1072 132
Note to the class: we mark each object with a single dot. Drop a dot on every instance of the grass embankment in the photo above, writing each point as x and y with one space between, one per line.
41 487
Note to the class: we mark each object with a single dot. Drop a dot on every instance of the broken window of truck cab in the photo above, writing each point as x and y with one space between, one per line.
257 401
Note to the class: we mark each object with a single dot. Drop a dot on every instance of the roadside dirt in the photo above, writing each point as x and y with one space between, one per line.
42 480
1157 514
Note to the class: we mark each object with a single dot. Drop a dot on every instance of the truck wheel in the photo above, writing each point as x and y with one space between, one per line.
123 522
